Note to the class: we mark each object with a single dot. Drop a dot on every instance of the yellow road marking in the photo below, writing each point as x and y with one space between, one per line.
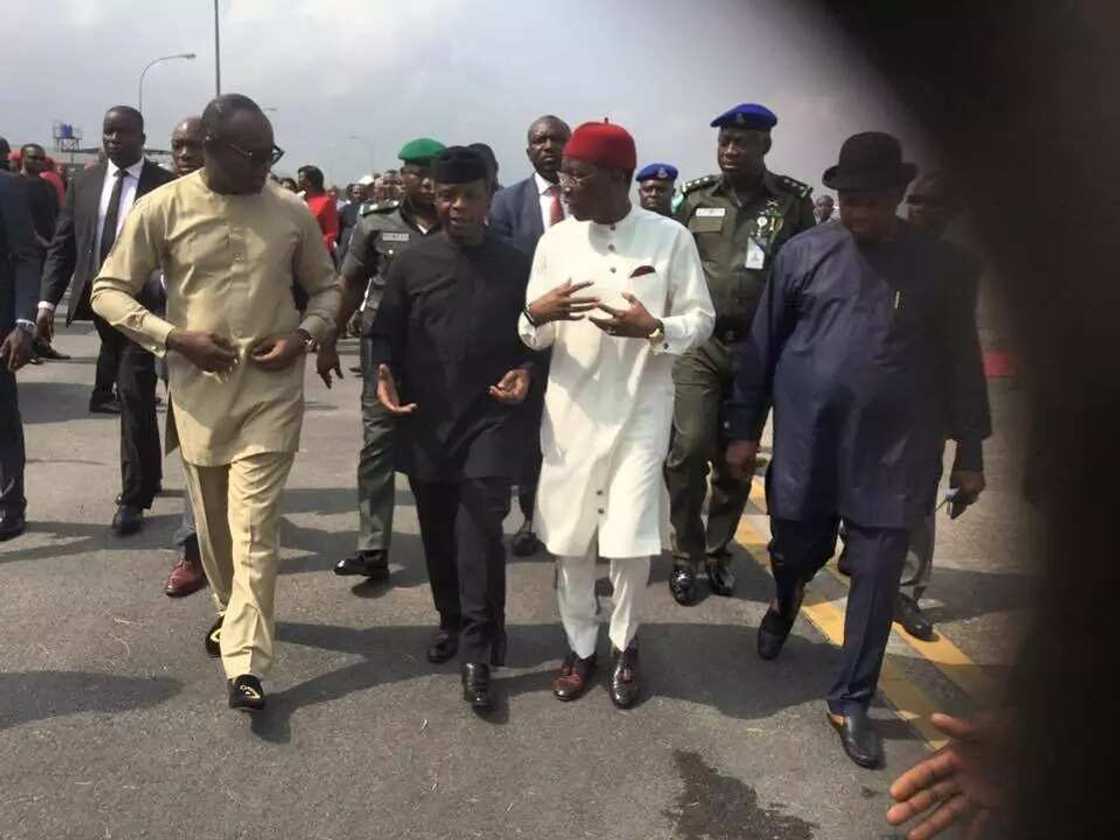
909 702
949 659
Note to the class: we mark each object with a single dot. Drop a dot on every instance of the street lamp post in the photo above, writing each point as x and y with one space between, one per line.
140 95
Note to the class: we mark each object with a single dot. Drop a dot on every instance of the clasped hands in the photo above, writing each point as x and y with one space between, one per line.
563 304
215 353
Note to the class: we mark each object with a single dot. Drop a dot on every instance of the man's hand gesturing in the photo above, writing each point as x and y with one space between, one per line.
561 304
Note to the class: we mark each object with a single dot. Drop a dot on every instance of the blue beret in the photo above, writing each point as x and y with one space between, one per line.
658 172
747 115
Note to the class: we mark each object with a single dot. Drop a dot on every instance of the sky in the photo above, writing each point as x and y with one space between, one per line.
347 82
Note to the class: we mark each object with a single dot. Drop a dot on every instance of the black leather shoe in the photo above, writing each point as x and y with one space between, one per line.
476 686
373 564
44 350
213 640
246 693
858 737
574 678
842 565
720 576
913 620
525 542
105 406
127 520
444 646
11 526
625 688
682 585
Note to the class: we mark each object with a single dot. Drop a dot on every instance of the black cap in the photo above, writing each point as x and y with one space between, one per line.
459 165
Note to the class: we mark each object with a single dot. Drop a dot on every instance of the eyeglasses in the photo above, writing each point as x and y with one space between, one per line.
567 181
257 157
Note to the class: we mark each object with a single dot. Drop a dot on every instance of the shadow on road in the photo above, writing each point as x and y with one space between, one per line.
38 695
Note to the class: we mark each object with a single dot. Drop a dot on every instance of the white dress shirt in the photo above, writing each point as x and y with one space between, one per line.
128 198
543 187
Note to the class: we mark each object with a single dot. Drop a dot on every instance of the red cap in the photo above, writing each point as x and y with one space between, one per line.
603 143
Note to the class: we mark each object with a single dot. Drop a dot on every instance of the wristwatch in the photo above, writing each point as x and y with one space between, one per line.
308 340
658 334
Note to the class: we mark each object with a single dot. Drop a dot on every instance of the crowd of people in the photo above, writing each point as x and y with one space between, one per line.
613 363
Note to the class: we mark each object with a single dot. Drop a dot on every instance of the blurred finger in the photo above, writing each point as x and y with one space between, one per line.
941 819
921 775
610 310
952 726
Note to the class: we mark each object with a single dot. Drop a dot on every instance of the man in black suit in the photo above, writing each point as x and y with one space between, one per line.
94 211
521 213
19 284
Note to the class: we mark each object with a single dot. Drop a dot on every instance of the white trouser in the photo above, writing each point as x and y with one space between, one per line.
575 594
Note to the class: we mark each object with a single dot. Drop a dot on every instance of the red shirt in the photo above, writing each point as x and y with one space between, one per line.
322 207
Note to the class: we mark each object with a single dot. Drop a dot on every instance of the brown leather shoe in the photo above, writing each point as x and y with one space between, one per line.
186 576
574 678
625 686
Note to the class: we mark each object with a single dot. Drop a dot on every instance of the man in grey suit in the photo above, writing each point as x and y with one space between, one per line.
520 214
94 211
19 286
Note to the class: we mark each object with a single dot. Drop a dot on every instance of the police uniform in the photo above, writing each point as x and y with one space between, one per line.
383 231
737 244
659 172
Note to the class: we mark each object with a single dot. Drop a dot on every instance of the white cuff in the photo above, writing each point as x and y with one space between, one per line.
47 305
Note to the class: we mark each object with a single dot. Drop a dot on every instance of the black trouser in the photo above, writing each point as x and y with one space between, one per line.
108 360
12 456
461 528
135 375
799 550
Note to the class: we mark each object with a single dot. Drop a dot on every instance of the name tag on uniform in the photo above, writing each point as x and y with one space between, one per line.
756 257
389 236
711 212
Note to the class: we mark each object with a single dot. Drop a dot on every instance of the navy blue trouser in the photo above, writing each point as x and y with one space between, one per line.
799 549
12 501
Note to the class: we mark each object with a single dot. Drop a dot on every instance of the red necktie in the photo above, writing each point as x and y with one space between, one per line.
556 210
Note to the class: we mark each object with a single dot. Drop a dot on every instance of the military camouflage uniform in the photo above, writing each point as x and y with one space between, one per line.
737 245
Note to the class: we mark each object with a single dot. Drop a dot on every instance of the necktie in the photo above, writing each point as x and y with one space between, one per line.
556 209
112 213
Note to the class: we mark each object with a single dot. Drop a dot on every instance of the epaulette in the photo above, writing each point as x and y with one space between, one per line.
698 183
378 207
794 186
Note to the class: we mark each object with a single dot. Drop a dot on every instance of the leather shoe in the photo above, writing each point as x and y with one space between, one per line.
525 542
246 693
128 520
682 585
44 350
775 628
444 646
186 575
574 678
624 687
913 620
213 640
110 405
476 686
858 736
11 526
373 564
842 565
720 576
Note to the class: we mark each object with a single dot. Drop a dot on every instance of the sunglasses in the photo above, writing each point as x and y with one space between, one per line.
257 157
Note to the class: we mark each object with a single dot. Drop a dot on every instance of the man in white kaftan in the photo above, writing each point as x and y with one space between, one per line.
609 400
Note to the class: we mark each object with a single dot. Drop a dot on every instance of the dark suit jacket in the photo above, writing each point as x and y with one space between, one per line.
515 215
72 253
19 255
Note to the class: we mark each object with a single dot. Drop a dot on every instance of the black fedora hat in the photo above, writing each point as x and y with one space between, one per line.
869 162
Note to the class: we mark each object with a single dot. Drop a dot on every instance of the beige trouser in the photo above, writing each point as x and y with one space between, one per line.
237 510
575 595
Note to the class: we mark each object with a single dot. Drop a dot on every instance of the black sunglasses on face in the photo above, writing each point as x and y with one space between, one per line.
257 157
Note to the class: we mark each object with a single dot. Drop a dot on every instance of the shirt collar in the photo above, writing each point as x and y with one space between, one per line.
543 185
133 170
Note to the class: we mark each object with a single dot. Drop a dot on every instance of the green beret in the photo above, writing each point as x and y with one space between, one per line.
420 150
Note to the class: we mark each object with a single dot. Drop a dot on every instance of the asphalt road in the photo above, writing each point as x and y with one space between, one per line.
114 724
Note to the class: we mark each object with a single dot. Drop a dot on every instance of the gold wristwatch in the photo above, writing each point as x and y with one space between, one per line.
658 334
